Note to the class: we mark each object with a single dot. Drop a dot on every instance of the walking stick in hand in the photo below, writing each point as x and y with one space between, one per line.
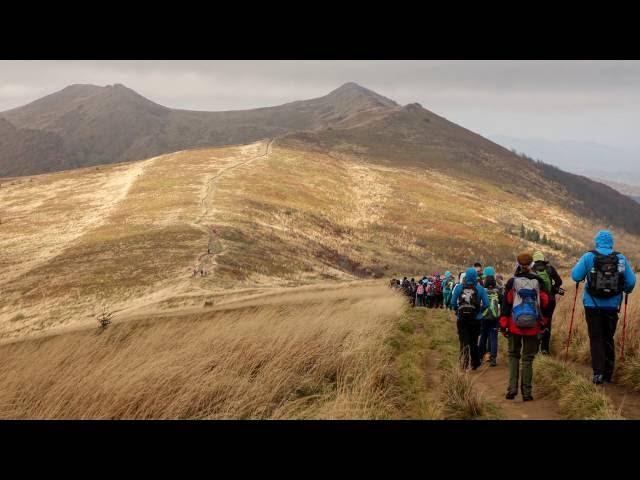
573 312
624 327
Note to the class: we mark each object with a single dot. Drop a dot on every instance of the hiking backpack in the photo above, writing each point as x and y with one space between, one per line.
492 312
468 304
437 286
450 283
606 278
526 302
542 271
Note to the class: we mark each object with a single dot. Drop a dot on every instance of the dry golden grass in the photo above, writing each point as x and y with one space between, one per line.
577 397
324 357
460 399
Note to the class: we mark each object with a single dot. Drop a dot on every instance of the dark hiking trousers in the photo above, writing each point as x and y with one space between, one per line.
439 301
488 338
420 302
545 340
468 332
602 326
525 347
430 300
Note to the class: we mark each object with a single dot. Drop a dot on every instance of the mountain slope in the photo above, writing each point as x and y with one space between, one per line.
254 218
24 150
415 137
85 125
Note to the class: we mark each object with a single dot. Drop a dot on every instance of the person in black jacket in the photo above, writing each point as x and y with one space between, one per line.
543 268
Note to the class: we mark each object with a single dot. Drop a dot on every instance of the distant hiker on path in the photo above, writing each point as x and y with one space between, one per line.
469 300
447 289
552 283
438 296
608 275
420 295
521 321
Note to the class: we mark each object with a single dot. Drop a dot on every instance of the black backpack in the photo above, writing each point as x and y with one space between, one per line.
468 304
604 280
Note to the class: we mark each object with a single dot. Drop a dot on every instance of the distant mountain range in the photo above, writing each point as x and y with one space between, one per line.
584 158
86 125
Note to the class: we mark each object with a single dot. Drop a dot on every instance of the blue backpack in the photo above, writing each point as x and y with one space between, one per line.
526 303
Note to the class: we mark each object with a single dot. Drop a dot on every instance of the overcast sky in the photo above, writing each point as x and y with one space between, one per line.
595 101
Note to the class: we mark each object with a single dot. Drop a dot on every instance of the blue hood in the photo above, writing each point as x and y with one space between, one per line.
604 242
489 272
447 274
471 277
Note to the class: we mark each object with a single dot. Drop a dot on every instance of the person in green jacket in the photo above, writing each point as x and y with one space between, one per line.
447 288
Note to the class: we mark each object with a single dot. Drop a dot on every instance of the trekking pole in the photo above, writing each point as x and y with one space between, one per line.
573 312
624 327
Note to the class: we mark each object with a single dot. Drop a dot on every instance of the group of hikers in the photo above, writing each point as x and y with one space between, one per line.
430 291
522 309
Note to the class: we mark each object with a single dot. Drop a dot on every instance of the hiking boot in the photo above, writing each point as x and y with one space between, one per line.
598 379
545 352
492 362
527 398
511 395
607 378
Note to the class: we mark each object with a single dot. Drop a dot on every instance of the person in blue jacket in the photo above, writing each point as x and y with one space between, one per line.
469 327
601 312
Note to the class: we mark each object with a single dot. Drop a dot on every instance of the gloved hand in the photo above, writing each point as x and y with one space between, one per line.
505 332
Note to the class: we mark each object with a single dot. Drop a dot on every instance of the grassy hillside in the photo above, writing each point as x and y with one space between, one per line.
129 236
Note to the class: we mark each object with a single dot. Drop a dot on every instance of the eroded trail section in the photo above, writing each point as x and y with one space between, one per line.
206 262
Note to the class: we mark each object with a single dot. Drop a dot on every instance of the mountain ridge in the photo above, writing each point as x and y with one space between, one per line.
86 125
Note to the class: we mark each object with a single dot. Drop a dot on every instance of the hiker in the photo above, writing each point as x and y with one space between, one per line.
430 292
488 272
438 296
552 283
447 289
485 348
608 275
414 287
406 289
469 299
460 281
478 267
521 321
490 318
420 294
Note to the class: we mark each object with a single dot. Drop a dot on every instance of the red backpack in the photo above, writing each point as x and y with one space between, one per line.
437 286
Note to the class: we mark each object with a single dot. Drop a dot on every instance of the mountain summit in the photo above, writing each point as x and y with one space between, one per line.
101 125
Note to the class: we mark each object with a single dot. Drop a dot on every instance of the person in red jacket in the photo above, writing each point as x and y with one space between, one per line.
521 321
